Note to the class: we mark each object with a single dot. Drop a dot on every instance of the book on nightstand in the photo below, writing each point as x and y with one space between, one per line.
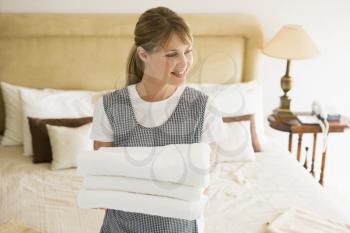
313 119
308 120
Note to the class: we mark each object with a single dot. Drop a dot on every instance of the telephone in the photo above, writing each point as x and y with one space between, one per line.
318 110
322 121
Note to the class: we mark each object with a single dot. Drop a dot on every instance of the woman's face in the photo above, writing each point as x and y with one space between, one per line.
169 65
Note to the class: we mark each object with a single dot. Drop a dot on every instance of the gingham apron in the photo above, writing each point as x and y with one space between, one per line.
184 126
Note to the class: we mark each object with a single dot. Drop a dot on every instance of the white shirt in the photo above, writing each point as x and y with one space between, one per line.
152 114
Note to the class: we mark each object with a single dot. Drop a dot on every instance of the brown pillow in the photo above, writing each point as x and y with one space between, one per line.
249 117
40 137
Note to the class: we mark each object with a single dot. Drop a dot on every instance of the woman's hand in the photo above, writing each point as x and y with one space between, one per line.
206 191
212 162
98 144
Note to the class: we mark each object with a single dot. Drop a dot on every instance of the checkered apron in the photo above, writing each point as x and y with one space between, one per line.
184 126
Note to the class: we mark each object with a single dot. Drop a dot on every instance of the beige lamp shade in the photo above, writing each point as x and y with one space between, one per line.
291 42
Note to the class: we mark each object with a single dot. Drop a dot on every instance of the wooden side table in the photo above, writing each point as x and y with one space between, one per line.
293 126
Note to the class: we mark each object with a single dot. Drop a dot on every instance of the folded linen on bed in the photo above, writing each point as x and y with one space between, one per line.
143 186
300 221
179 163
141 203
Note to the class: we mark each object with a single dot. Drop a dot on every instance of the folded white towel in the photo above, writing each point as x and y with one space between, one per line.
143 186
140 203
182 163
300 221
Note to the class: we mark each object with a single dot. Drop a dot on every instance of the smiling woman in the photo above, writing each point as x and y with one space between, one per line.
165 68
156 109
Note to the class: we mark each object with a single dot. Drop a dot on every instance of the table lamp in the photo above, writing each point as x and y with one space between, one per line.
291 42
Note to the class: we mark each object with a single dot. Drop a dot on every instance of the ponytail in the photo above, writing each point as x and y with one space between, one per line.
134 67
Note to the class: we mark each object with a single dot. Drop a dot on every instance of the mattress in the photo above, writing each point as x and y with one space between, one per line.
243 196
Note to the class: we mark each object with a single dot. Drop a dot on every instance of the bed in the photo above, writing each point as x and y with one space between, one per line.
54 50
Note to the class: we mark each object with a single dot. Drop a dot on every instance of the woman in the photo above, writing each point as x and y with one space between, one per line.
155 109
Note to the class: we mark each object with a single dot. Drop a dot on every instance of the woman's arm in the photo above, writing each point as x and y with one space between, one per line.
98 144
213 146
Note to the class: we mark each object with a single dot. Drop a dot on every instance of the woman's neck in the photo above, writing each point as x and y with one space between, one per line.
152 91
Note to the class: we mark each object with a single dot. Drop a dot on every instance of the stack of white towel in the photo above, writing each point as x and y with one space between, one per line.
167 181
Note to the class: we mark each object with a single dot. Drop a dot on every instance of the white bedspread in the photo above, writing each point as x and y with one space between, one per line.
243 197
135 185
33 195
299 221
183 163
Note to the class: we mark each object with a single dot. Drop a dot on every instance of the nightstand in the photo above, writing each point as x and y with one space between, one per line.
293 126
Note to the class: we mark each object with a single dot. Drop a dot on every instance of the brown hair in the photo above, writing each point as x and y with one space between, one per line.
153 29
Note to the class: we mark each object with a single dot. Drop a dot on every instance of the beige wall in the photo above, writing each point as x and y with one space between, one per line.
325 78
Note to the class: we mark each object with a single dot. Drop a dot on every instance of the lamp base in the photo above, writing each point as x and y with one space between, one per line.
284 112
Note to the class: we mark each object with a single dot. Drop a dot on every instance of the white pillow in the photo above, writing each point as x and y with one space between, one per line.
95 95
236 100
67 143
13 134
237 146
56 104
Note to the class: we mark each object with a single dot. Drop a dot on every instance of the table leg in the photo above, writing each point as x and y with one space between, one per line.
290 143
313 154
306 157
300 139
323 165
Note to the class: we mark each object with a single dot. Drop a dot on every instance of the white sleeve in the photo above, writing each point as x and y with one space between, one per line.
101 129
213 126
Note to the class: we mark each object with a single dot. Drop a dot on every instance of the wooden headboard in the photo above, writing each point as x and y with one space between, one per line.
89 51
